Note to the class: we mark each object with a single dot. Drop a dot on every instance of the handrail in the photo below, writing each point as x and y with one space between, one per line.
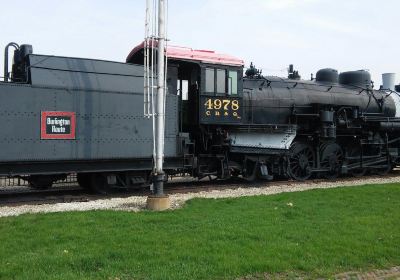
6 73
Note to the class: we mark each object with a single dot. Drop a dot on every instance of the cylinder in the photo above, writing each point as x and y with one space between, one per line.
388 80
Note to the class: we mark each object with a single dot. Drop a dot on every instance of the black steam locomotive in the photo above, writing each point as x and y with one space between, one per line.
63 115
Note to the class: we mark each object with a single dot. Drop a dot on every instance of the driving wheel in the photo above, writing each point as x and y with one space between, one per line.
300 162
331 159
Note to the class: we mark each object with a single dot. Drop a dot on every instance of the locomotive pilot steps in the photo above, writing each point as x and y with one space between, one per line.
64 115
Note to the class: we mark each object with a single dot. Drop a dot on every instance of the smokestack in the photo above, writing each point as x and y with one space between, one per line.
388 80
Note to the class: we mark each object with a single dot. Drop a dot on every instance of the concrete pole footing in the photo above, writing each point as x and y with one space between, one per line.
158 203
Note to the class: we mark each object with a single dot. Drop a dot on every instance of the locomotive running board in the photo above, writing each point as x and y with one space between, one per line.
258 151
262 140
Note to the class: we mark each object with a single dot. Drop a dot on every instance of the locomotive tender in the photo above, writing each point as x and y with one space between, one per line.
62 115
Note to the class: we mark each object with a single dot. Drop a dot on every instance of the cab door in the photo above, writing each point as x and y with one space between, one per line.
221 95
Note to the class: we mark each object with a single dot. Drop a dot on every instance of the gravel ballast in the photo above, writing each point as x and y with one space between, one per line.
138 203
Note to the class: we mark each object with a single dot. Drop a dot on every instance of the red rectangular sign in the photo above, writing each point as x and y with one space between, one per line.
57 125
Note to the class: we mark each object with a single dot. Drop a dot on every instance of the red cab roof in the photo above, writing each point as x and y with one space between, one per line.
182 53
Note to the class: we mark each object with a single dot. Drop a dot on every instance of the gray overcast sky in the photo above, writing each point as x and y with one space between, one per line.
312 34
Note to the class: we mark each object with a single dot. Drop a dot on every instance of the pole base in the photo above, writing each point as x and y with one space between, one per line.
158 184
158 203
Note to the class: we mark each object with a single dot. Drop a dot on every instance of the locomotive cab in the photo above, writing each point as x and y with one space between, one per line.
210 90
210 85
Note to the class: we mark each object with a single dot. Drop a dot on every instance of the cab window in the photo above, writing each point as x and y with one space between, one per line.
210 80
221 80
232 82
183 89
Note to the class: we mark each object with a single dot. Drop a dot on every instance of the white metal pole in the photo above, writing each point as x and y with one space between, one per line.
160 114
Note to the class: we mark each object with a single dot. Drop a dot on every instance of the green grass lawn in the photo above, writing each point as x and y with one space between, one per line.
314 233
